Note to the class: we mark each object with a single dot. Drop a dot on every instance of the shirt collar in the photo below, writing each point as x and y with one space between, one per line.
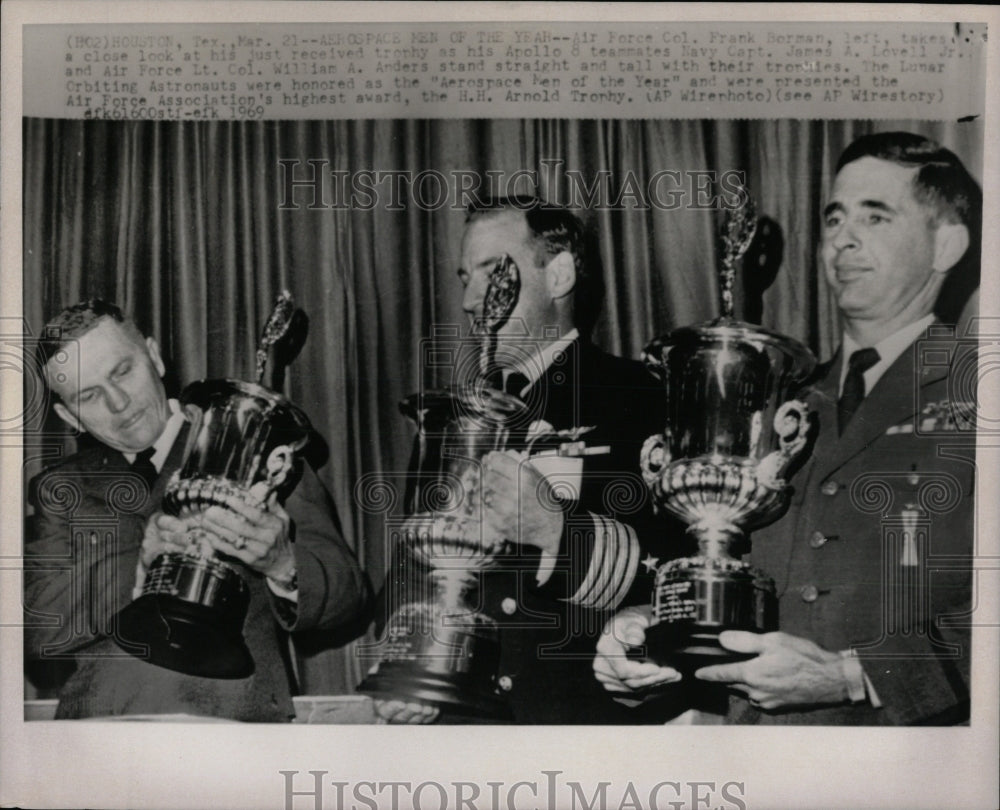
888 350
539 363
161 447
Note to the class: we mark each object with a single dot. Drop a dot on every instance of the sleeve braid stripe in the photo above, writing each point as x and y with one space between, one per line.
613 565
588 593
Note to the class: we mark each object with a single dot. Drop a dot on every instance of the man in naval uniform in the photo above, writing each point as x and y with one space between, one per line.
873 560
575 563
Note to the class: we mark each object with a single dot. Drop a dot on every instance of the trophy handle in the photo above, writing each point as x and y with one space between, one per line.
791 423
276 469
653 459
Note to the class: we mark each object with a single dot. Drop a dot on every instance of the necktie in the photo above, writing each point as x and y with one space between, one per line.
854 385
515 383
143 465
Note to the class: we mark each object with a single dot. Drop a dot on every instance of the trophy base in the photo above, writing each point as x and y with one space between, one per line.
184 637
446 656
394 680
695 599
189 618
687 649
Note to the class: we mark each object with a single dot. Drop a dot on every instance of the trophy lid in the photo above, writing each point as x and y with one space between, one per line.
799 361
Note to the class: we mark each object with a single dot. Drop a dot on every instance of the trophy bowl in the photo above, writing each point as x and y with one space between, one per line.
242 447
732 434
438 647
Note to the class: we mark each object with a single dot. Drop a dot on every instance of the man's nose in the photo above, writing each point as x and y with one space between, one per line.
118 400
472 298
846 236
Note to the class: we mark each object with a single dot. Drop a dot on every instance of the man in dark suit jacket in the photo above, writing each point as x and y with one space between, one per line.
873 561
96 529
575 563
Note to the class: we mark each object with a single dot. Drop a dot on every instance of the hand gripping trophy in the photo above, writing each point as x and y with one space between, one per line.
438 647
732 433
242 445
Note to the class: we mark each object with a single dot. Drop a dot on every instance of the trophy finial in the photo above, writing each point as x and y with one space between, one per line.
274 330
499 302
737 233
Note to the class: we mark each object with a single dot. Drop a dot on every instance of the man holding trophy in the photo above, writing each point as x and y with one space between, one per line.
99 541
564 545
872 562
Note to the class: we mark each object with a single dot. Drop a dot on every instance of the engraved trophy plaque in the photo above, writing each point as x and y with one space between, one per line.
242 446
438 647
732 434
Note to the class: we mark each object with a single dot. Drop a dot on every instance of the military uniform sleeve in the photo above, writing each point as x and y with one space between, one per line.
332 588
596 564
920 668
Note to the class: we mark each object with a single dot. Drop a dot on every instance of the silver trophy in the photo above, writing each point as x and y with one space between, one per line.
439 648
242 447
732 434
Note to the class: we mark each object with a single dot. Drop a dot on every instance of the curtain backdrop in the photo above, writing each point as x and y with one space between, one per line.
181 225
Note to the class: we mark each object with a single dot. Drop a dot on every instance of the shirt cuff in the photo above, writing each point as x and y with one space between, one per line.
859 688
289 594
872 694
546 565
140 579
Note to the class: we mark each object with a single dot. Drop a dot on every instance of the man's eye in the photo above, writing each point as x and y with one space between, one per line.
86 397
123 369
876 219
833 220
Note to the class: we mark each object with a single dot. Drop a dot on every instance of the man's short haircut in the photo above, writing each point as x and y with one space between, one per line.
75 321
942 182
944 186
555 228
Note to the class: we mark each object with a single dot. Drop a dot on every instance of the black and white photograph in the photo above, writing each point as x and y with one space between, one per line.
583 381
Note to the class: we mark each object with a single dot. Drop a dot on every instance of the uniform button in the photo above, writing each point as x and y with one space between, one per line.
809 593
830 487
506 683
818 540
509 606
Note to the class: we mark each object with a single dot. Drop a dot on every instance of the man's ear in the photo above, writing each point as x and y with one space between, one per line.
154 354
951 239
560 275
64 413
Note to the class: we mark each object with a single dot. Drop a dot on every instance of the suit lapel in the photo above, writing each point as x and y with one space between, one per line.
894 399
558 387
822 399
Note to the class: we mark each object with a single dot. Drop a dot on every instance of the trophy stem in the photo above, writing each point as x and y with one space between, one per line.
715 538
451 584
